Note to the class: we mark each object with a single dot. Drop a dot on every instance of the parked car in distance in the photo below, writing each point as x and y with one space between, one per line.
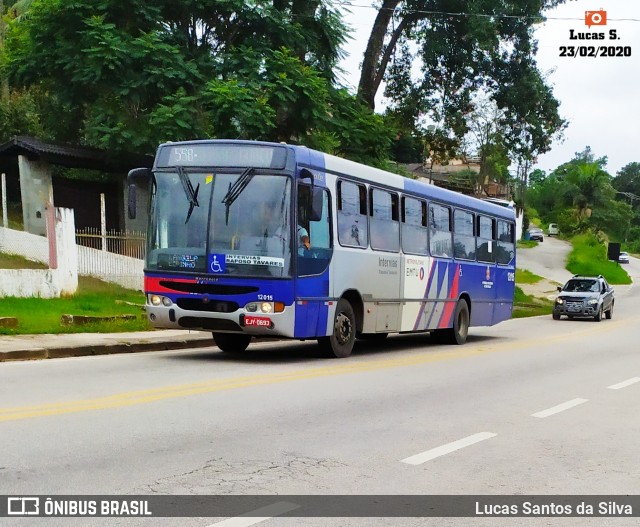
584 297
536 234
623 257
553 229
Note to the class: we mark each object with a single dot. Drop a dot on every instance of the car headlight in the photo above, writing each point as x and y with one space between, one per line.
559 301
593 301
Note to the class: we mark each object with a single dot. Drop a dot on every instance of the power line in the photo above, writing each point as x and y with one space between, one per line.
347 3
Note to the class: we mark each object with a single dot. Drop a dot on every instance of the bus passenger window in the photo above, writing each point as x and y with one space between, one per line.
352 214
464 240
385 230
506 245
486 244
440 231
414 226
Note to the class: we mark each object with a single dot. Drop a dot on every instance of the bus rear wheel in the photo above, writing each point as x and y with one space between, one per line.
231 343
340 343
460 330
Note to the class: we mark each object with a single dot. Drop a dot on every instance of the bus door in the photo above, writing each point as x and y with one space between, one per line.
313 254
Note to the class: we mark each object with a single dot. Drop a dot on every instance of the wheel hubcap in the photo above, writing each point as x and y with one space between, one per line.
343 328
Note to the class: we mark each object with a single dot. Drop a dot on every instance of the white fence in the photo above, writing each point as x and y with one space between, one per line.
126 271
112 256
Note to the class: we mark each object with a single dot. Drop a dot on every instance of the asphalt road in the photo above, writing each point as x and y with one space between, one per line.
531 406
547 259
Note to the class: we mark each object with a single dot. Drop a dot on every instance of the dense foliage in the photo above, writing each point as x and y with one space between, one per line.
128 75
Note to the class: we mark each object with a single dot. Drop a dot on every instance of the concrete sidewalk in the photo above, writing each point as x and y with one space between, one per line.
25 347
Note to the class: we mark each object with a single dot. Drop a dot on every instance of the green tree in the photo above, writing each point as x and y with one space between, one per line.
136 74
464 48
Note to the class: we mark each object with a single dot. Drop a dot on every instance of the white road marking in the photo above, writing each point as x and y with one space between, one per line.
624 384
560 408
423 457
258 515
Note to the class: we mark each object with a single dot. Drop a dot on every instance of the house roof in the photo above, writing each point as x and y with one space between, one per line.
74 156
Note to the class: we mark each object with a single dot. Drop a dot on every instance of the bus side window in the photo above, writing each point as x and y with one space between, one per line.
440 231
464 240
506 246
384 225
352 214
414 226
486 245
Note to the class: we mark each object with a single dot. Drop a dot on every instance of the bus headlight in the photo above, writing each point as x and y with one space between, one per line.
264 307
156 300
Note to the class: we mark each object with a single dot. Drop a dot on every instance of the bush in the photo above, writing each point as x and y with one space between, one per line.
589 257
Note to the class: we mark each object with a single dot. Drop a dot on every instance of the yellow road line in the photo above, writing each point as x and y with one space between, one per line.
339 368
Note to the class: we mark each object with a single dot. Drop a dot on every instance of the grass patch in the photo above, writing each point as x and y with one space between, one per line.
589 257
94 297
12 261
529 306
526 244
526 277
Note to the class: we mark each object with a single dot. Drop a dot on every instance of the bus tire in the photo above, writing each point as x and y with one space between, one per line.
460 330
340 343
231 343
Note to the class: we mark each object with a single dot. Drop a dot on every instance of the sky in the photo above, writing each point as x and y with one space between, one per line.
599 96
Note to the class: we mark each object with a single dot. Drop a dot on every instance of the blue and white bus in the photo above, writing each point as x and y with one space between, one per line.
255 239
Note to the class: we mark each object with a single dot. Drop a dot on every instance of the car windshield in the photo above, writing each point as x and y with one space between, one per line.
581 286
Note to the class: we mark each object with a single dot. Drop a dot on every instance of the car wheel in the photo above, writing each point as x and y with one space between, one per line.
556 316
609 312
598 316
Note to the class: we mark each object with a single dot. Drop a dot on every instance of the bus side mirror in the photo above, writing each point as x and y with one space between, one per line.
317 202
132 204
136 173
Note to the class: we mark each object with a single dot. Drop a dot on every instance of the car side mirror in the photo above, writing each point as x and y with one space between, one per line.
559 288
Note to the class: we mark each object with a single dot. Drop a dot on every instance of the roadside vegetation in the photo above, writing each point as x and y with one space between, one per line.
589 257
530 306
525 305
94 298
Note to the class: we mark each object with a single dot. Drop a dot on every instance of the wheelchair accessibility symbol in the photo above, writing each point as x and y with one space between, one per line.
217 263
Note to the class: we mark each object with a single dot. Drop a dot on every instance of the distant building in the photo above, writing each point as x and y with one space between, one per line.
454 176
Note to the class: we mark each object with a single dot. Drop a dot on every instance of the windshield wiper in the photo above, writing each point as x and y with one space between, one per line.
235 190
192 195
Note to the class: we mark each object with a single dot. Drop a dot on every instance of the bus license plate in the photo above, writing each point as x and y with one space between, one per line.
262 322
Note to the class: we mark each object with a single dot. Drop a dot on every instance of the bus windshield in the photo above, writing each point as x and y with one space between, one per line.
249 234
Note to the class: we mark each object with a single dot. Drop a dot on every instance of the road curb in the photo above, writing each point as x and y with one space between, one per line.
103 349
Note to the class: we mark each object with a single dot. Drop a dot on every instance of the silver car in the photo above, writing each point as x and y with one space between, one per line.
623 258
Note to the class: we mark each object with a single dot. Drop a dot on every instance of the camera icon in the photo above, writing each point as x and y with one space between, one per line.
595 18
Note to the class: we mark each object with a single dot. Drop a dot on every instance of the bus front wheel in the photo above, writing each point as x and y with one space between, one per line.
460 330
340 343
230 343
